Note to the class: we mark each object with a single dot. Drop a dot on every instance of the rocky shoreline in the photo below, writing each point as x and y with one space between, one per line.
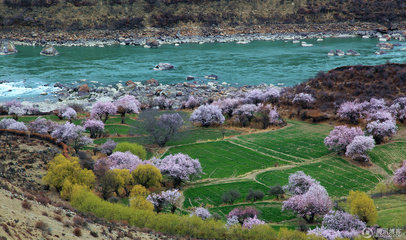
135 37
150 93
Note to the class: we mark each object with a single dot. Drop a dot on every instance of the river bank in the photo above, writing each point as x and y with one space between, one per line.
198 34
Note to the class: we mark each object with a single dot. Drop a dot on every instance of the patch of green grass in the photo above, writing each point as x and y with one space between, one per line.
389 156
269 211
203 195
391 210
299 139
117 129
223 159
197 134
335 174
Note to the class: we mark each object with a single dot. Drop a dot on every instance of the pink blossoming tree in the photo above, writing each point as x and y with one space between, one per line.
100 109
180 167
207 115
127 104
341 136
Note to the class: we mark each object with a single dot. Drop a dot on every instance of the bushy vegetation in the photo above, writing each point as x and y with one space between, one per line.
134 148
63 172
194 226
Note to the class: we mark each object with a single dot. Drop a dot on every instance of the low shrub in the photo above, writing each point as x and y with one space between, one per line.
26 205
255 195
41 225
77 232
230 196
134 148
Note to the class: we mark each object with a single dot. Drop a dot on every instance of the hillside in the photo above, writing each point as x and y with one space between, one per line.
349 83
74 15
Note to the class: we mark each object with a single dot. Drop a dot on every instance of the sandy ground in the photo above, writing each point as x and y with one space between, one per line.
19 223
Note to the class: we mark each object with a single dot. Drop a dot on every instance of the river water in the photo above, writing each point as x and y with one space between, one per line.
27 74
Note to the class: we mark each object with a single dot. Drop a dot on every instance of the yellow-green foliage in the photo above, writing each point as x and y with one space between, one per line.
139 190
62 169
125 179
363 206
134 148
140 202
147 175
184 225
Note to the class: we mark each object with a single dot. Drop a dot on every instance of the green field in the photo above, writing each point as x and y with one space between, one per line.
297 147
335 174
211 194
389 156
391 210
269 211
223 159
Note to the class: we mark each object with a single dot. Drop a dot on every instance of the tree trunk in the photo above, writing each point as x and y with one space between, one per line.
123 118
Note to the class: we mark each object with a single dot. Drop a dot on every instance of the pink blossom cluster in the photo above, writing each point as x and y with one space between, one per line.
124 160
379 130
16 111
331 234
341 136
207 115
246 110
100 109
251 222
19 126
163 199
358 148
68 113
310 204
255 96
95 127
227 105
342 221
42 126
5 122
162 102
299 183
108 147
398 108
350 111
127 104
242 213
274 117
180 167
400 176
192 102
201 212
303 99
69 133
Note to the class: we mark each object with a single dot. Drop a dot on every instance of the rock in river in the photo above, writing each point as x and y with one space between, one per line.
164 66
49 50
7 48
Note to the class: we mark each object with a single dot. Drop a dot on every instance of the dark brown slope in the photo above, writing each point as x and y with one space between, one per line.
75 15
350 83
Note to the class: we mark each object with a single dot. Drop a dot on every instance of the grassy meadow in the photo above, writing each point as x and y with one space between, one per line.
244 159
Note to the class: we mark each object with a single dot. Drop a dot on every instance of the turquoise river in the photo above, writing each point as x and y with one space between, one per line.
27 74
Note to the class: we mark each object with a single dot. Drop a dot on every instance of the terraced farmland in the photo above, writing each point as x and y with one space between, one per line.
212 193
389 156
335 174
261 160
223 159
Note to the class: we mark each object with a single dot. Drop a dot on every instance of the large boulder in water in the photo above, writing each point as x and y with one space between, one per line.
164 66
7 48
153 43
49 50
